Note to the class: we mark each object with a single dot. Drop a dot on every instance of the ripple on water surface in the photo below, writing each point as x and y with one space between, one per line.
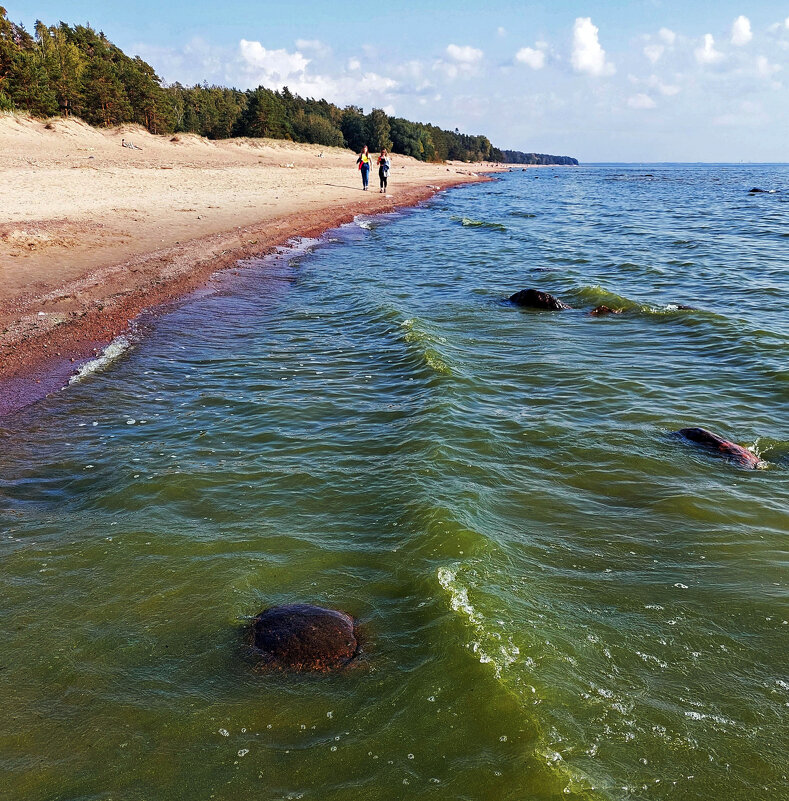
560 599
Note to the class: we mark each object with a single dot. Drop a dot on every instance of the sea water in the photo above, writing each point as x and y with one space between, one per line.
560 599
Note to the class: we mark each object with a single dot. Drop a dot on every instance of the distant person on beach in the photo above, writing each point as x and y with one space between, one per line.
364 161
384 165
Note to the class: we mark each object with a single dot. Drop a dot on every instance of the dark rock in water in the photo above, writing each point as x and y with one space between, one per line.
534 299
730 450
599 311
686 308
300 637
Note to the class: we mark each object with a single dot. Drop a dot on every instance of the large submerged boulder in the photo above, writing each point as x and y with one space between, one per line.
300 637
535 299
729 450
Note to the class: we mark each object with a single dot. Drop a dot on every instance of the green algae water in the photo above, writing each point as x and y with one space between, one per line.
559 599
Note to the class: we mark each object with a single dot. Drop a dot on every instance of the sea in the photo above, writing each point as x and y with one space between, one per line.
559 597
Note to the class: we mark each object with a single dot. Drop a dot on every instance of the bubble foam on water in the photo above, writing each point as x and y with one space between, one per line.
108 356
488 646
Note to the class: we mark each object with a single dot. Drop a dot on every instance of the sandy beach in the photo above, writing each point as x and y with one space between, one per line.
92 232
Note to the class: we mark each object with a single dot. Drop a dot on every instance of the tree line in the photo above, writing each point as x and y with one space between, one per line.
74 71
518 157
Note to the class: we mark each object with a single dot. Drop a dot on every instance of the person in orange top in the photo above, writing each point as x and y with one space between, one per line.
365 161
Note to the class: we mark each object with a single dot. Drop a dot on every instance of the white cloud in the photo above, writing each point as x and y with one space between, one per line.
654 82
667 35
272 66
315 45
668 89
665 89
764 68
256 65
588 56
641 101
749 114
654 50
501 31
464 54
707 54
451 71
531 58
195 62
741 32
464 60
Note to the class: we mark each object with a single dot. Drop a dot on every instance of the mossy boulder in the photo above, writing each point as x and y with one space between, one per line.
301 637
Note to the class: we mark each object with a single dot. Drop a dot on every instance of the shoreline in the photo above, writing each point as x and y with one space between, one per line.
44 349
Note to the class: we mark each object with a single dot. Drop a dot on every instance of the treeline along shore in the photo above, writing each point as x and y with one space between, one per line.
74 71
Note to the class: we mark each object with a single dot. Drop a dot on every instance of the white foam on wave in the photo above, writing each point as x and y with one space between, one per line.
488 646
110 354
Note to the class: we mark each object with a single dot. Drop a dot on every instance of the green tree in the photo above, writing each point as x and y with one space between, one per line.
377 130
147 99
7 52
264 115
29 87
66 74
352 127
317 129
104 97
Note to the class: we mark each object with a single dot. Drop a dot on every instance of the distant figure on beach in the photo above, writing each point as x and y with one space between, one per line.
364 161
384 164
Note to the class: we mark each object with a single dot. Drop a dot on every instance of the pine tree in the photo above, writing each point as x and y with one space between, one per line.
7 54
352 127
105 101
264 116
377 129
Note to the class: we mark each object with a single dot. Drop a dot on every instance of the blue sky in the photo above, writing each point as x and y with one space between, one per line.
647 80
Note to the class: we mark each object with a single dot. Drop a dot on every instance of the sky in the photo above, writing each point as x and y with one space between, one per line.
645 80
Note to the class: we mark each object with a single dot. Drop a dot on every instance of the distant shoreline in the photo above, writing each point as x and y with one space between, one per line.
116 232
684 164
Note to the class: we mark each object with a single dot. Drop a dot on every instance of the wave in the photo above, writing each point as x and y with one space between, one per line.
467 222
772 451
523 214
496 648
416 334
490 647
597 295
108 356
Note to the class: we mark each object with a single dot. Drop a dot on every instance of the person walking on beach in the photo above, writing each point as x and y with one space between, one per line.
364 161
384 164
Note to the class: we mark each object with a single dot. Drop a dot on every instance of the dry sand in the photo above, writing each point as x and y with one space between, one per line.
92 232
